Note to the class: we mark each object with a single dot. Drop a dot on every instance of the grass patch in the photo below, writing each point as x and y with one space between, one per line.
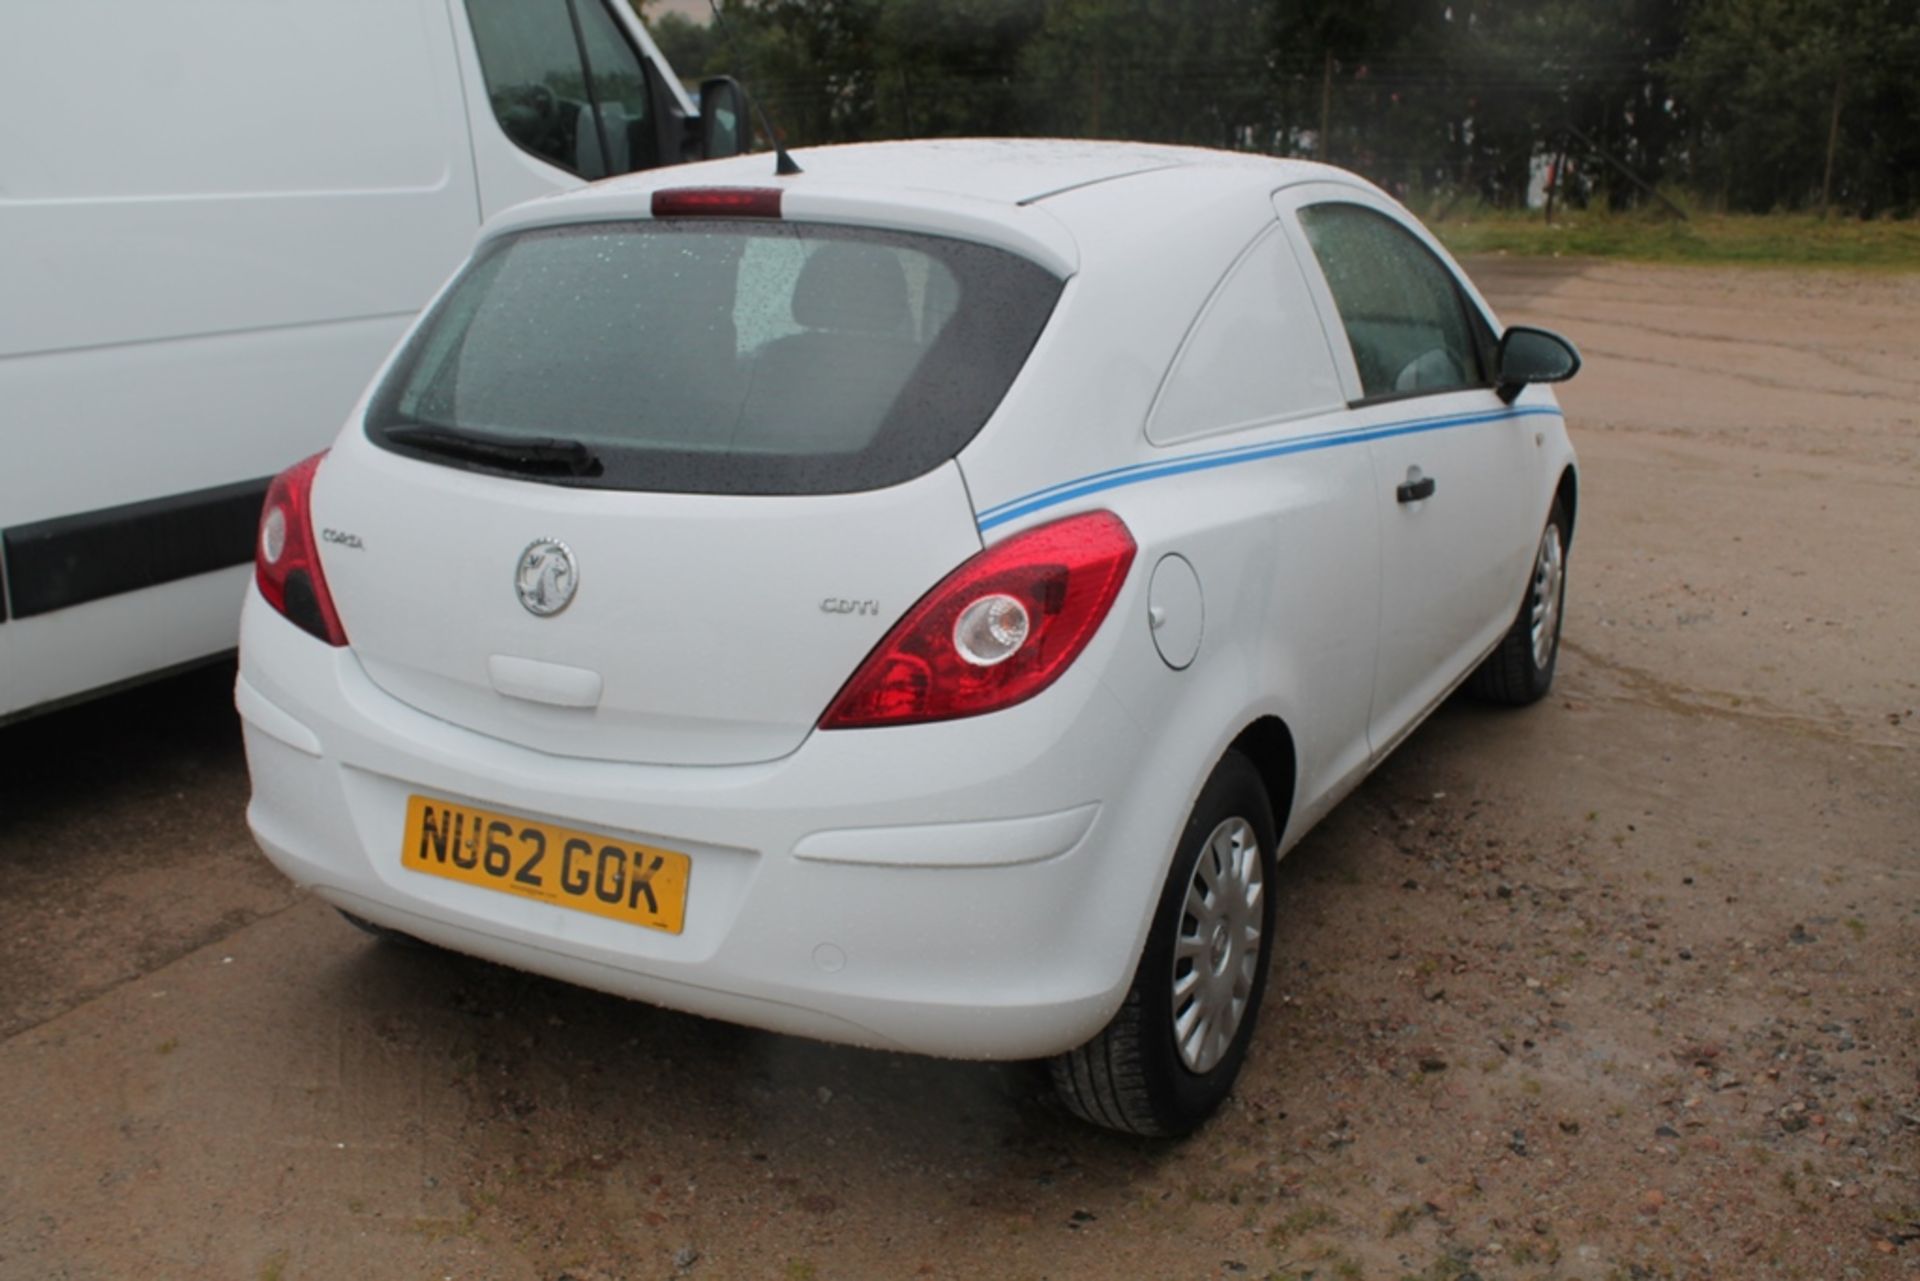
1761 240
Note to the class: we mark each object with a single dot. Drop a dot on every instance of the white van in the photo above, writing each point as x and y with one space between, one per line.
216 217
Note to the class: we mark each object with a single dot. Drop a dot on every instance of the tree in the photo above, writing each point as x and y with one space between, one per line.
1767 103
693 49
1805 102
949 67
1157 70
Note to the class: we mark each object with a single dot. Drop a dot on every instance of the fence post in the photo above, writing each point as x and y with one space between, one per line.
1833 144
1553 179
1326 109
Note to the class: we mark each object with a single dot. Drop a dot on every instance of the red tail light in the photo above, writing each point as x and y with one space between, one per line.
717 202
994 632
286 560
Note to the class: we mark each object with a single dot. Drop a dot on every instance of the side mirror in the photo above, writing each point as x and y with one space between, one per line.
1528 355
723 118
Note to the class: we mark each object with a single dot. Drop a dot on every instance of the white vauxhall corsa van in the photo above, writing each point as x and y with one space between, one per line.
216 217
911 601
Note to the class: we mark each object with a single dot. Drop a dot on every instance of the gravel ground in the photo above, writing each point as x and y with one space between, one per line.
1622 986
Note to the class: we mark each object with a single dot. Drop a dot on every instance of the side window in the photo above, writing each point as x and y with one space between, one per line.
619 90
565 84
1404 315
1256 354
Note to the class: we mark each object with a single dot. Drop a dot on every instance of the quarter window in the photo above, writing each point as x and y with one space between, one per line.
1405 318
1255 356
565 84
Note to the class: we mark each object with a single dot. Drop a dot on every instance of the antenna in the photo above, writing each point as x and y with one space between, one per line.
783 164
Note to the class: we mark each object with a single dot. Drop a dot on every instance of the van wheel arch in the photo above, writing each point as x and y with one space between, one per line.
1568 492
1268 743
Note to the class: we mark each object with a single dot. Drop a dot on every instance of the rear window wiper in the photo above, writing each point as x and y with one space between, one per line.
530 455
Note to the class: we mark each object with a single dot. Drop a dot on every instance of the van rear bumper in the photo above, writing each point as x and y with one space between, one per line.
969 889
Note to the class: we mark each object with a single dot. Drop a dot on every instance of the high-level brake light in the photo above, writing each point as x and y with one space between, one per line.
717 202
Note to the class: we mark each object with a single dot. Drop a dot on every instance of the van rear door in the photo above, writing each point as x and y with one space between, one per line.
650 490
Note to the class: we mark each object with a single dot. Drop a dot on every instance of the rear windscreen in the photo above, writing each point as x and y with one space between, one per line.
721 357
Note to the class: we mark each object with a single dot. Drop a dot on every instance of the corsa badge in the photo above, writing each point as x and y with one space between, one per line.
546 577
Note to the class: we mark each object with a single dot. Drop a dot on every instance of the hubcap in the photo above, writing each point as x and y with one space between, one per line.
1217 952
1549 569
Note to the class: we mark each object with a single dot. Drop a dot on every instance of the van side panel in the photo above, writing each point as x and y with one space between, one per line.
216 216
256 163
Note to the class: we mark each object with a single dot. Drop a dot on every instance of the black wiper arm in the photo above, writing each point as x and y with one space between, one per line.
533 455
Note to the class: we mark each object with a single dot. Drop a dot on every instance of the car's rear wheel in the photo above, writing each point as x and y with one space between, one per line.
1520 670
1169 1057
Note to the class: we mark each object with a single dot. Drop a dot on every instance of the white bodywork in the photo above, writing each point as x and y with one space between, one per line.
979 887
203 254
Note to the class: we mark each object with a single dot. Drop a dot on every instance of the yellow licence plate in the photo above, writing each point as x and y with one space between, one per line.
638 884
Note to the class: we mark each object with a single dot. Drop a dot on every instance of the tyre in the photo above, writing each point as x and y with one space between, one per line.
1520 669
1170 1056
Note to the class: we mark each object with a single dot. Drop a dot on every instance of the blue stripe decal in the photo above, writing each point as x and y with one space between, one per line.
1139 473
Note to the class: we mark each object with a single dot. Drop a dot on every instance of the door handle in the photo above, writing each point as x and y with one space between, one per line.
1415 487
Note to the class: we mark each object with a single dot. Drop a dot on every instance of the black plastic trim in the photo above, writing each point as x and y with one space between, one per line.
70 560
19 714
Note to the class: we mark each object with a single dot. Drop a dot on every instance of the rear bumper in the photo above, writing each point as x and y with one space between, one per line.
973 889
